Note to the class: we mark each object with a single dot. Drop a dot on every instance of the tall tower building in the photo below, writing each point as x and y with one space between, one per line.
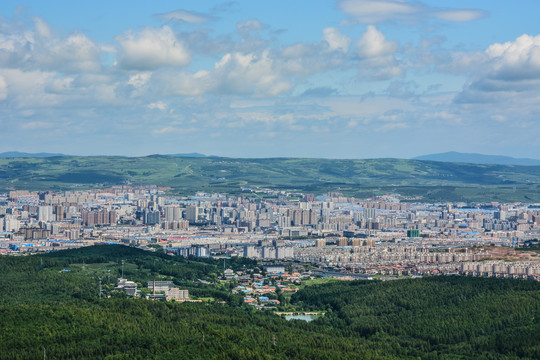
192 213
45 213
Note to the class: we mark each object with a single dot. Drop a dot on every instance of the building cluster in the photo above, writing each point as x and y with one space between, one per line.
418 258
261 290
269 249
159 290
386 234
166 290
520 270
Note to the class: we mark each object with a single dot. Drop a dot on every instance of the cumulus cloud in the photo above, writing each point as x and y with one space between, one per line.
373 43
150 49
156 59
517 60
506 70
31 89
27 89
237 74
184 16
77 53
376 55
40 49
375 11
335 40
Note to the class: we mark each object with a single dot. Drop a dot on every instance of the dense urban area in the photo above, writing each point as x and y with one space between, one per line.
340 236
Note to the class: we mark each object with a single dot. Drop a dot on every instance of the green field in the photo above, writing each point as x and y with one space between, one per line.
425 180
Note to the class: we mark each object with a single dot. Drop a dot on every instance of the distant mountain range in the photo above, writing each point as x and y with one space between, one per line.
451 156
17 154
197 155
457 157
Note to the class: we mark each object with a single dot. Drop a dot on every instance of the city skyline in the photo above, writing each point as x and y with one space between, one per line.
343 79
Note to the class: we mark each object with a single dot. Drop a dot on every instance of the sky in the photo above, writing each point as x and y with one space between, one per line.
326 79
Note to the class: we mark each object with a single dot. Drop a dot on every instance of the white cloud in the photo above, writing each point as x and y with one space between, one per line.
3 88
59 85
257 75
335 40
27 89
139 80
518 60
251 74
505 71
187 84
375 11
373 43
42 29
158 105
47 89
77 53
184 16
459 15
377 56
249 26
41 50
151 48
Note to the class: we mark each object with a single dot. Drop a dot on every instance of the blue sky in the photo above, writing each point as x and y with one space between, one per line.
343 79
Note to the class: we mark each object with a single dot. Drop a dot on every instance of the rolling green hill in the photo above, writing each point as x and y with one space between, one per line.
429 180
458 157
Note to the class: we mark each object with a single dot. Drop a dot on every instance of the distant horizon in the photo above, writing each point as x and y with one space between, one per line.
197 154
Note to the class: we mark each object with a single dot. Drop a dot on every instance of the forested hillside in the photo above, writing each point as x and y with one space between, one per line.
44 308
439 315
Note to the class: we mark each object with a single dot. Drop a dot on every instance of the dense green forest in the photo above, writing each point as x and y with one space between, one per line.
45 308
427 180
441 315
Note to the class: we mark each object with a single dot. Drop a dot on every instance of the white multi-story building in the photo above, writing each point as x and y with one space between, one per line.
45 213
